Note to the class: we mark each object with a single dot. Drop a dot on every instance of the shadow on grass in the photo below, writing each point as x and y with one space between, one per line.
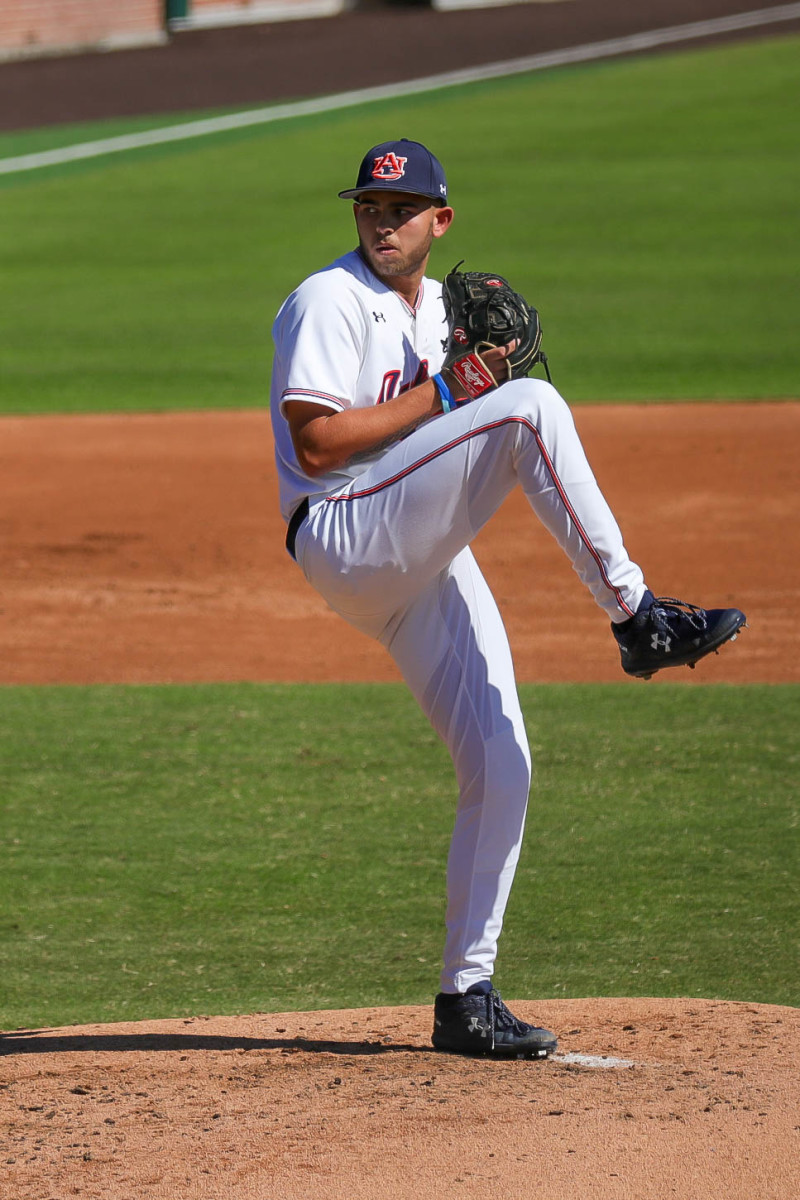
36 1041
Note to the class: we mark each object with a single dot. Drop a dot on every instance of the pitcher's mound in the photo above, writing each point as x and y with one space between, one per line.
646 1098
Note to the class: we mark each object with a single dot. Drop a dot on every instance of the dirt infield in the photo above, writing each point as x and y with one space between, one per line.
647 1100
149 549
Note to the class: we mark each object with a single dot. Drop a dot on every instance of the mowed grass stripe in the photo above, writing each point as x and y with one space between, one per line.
218 849
648 209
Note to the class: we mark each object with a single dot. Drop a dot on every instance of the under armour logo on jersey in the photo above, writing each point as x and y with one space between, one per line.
378 316
389 166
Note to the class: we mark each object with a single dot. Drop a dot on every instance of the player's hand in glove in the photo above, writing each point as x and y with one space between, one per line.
493 335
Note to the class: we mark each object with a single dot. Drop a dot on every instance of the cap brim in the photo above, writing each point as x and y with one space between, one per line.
354 193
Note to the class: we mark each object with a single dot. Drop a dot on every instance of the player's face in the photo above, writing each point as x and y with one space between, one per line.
396 230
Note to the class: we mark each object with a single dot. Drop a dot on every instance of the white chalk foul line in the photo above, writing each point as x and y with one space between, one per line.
598 1061
302 108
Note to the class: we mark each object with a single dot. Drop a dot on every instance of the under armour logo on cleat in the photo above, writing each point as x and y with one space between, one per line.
476 1025
658 642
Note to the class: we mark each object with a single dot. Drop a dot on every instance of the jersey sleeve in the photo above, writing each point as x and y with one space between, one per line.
319 337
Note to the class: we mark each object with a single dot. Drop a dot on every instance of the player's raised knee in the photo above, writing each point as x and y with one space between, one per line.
529 398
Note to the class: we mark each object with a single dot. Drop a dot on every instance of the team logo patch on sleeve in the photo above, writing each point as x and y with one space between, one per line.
389 166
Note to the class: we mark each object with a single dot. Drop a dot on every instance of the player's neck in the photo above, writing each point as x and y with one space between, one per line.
406 286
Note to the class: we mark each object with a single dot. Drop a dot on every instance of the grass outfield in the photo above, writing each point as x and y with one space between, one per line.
224 849
647 206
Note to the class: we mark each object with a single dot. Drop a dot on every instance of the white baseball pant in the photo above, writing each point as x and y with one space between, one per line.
390 553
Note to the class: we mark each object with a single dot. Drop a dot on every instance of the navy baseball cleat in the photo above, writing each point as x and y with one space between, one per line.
668 633
478 1022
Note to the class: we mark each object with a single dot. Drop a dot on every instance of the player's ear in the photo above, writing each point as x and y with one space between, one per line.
442 220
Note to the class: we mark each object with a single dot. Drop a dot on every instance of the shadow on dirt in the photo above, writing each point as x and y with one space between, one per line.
41 1042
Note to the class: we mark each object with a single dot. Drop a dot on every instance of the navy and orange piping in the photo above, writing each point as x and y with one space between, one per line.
306 392
464 437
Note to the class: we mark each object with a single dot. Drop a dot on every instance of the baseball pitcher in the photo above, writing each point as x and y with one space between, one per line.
403 415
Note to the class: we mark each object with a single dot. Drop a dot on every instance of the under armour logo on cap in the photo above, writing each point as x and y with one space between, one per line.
402 166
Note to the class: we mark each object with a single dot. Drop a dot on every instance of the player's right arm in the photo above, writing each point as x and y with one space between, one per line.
324 440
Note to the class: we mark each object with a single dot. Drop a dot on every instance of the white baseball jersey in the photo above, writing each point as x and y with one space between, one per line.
345 340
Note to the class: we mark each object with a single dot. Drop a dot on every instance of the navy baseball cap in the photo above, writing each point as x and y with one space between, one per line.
402 166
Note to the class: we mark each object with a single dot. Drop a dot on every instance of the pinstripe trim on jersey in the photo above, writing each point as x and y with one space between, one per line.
548 462
303 394
415 307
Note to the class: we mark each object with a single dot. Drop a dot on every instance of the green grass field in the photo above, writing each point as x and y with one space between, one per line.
241 848
648 207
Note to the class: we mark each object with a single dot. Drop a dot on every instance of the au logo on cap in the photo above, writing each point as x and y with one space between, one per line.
389 166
